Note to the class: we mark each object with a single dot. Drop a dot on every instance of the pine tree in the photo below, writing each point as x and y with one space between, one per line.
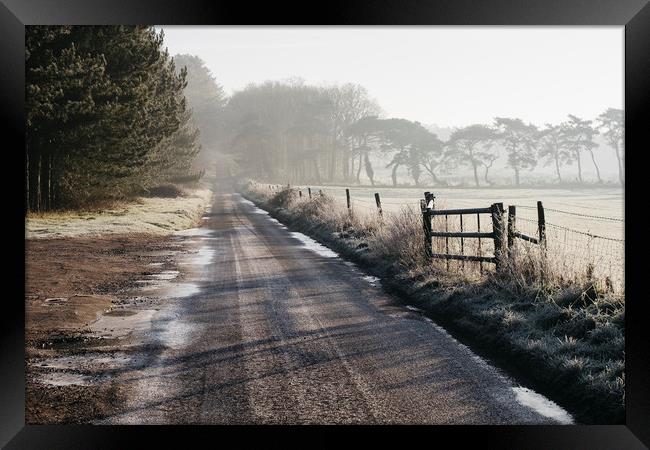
106 114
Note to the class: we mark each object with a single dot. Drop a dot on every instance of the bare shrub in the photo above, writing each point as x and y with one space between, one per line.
284 199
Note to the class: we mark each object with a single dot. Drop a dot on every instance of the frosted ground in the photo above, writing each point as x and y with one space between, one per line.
146 215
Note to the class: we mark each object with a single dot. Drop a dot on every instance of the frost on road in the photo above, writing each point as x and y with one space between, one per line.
272 327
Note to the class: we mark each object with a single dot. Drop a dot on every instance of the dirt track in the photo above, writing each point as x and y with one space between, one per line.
277 333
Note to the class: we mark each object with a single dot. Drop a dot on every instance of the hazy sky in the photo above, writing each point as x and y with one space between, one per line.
449 76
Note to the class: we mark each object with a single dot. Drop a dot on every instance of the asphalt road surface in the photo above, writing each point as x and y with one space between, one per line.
275 333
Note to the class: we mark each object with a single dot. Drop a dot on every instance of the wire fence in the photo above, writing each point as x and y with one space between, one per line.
578 245
576 250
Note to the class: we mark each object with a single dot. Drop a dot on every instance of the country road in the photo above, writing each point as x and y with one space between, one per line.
273 332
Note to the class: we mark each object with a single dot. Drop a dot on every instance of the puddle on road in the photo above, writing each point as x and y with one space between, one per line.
121 313
84 360
84 369
204 257
67 379
120 326
166 275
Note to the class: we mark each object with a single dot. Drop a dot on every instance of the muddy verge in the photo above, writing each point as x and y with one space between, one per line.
81 303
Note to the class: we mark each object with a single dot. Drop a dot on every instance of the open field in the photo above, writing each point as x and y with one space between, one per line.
584 226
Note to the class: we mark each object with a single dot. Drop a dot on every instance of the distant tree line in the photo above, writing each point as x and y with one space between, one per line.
292 131
106 115
295 132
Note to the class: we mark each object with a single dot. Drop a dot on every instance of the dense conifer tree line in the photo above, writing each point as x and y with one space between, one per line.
106 115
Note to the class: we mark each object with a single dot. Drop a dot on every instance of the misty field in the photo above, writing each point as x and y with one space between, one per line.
584 227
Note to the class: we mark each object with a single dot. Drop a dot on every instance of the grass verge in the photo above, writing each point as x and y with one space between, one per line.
159 215
563 338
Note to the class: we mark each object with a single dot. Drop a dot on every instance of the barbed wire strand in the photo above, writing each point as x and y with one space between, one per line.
570 213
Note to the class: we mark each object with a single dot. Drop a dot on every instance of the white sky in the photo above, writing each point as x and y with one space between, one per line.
450 76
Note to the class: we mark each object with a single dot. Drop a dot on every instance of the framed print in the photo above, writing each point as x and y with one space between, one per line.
382 214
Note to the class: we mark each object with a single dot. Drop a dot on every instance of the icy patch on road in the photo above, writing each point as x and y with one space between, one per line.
374 281
176 334
182 290
542 405
256 210
413 308
246 201
202 258
277 222
314 246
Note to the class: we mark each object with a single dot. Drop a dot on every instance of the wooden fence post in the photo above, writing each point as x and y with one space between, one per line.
426 225
462 242
447 238
309 190
347 197
480 253
541 223
378 202
429 197
497 231
512 226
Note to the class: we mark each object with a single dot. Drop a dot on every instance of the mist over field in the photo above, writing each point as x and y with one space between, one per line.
417 106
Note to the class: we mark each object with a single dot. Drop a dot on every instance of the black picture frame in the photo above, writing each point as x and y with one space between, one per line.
634 15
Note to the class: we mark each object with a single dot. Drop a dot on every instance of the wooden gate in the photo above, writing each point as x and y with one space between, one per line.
496 216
